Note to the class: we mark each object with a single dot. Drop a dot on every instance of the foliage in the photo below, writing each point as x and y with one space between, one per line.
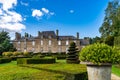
111 24
99 53
7 54
117 41
72 55
11 71
17 53
35 61
96 40
5 44
109 40
5 60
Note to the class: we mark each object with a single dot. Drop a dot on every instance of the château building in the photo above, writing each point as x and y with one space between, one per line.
46 41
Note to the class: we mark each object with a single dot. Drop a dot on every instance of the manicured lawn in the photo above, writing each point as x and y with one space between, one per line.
116 70
10 71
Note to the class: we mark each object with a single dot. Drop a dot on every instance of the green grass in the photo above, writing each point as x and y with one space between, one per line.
116 70
61 66
10 71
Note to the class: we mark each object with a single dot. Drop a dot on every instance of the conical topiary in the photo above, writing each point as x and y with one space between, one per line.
72 55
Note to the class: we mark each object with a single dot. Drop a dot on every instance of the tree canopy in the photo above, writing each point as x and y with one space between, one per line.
111 24
5 44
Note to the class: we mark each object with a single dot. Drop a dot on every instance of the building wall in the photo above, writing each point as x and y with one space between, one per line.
35 46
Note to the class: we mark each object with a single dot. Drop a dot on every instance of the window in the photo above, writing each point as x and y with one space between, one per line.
67 42
66 49
50 42
41 42
33 43
18 42
59 42
59 49
49 37
33 49
41 49
74 41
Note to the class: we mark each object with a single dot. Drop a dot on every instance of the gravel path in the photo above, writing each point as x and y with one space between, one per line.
114 77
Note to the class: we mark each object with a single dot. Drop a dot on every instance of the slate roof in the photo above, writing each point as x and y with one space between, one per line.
47 34
66 37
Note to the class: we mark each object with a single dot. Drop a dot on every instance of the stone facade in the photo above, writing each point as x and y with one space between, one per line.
46 41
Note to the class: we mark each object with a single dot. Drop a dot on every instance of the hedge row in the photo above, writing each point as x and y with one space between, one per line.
69 75
5 60
35 61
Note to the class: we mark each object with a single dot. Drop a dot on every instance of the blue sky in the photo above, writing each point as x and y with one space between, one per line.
68 16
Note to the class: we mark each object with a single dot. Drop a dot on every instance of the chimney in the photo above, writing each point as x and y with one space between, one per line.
57 32
77 35
17 36
39 33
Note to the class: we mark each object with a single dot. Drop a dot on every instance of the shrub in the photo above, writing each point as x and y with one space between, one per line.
99 53
17 53
35 61
61 56
7 54
72 55
5 60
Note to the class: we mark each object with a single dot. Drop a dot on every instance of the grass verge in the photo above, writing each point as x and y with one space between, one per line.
116 70
10 71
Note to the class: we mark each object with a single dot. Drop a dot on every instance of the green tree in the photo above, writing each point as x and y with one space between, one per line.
111 24
72 55
5 44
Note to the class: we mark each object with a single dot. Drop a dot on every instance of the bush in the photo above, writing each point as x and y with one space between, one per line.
36 61
72 55
5 60
99 53
7 54
38 56
17 53
61 56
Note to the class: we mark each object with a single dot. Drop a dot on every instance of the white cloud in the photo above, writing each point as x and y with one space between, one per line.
52 13
42 12
71 11
37 13
23 3
7 4
10 20
45 10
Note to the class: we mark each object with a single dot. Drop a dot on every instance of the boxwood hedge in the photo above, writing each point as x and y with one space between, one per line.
35 61
5 60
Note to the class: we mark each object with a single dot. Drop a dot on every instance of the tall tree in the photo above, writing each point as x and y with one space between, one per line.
111 23
5 44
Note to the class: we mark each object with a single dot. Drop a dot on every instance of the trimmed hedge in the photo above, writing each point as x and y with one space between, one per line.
35 61
69 70
5 60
